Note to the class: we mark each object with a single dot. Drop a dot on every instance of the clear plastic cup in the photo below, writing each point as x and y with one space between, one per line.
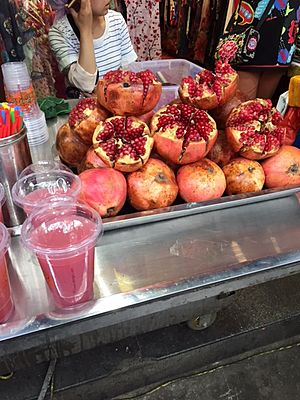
18 86
44 166
37 130
15 76
6 302
31 190
63 237
2 201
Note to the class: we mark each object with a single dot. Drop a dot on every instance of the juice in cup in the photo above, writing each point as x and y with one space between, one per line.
63 237
2 201
29 191
6 302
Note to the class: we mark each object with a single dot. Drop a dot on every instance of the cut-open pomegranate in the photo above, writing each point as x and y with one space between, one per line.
84 118
253 129
123 143
182 133
129 93
209 90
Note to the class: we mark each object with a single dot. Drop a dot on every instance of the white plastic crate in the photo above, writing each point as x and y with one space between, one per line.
169 72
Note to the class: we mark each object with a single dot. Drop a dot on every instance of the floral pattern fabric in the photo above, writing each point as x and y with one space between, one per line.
144 29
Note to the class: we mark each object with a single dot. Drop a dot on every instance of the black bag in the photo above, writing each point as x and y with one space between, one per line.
240 48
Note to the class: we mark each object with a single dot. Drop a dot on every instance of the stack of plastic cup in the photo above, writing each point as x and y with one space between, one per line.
36 125
63 237
18 86
44 166
32 190
6 302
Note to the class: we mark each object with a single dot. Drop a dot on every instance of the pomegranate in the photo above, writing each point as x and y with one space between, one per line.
200 181
283 168
129 93
221 113
104 189
209 90
147 117
91 160
153 186
70 149
222 152
84 118
253 129
182 133
243 176
174 167
123 143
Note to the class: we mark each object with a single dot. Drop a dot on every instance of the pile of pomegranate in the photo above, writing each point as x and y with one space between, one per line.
208 143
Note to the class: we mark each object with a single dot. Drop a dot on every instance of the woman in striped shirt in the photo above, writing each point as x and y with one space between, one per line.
91 42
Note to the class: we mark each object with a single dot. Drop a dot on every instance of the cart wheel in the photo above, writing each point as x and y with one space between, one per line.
202 321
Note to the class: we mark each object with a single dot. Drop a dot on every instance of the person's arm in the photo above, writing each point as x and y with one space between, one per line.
84 21
68 59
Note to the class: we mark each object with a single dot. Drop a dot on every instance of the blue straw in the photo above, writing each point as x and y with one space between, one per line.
3 116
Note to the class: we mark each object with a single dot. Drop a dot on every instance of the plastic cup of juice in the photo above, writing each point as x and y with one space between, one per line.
63 237
33 189
2 201
44 166
6 302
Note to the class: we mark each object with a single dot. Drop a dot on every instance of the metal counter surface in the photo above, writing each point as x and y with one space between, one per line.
136 264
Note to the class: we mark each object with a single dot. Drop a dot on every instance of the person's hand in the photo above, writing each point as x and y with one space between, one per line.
84 17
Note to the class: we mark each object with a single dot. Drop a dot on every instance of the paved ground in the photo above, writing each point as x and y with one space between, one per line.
270 375
251 352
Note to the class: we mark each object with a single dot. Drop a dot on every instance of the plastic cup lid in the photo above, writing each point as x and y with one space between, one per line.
55 216
43 166
51 183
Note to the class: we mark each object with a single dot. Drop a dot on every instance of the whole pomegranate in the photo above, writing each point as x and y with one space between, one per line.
221 152
123 143
129 93
253 129
208 90
147 117
221 113
153 186
104 189
84 118
91 160
243 176
200 181
182 133
283 169
69 147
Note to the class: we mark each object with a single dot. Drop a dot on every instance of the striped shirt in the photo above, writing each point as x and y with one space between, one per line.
112 50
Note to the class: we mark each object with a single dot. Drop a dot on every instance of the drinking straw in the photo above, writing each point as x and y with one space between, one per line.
11 119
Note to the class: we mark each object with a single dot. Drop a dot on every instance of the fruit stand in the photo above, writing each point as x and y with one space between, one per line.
169 264
155 268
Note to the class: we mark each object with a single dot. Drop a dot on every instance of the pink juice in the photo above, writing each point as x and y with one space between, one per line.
6 303
39 195
69 276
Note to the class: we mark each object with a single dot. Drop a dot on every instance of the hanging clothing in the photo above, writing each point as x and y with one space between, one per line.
144 28
278 32
11 32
